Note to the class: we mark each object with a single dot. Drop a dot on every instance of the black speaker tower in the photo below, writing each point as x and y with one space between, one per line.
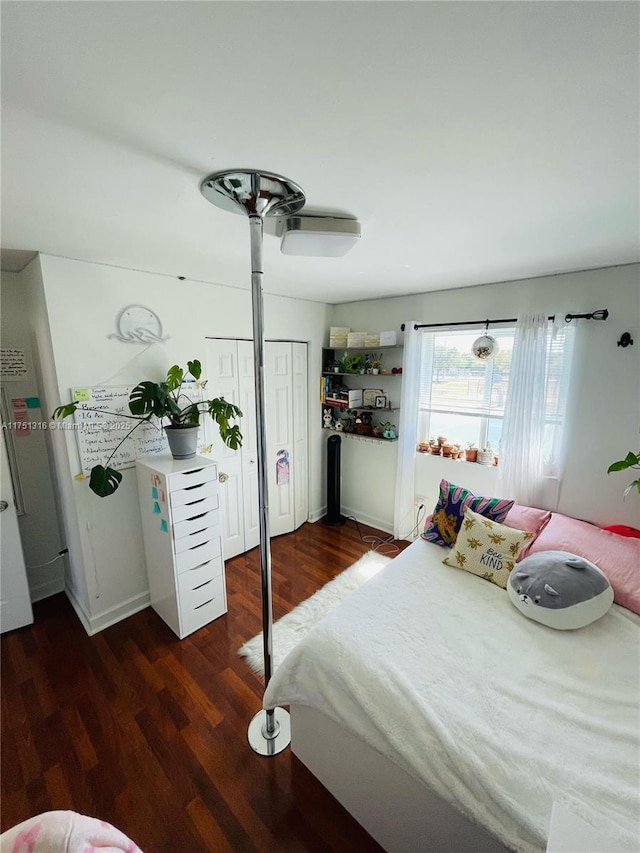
333 517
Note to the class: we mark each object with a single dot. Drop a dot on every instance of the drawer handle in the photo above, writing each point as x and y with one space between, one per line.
195 532
191 473
195 568
201 545
193 503
204 604
202 584
194 517
197 486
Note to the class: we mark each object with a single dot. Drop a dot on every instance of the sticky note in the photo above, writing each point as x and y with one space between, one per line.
162 496
154 492
32 402
163 526
81 395
156 508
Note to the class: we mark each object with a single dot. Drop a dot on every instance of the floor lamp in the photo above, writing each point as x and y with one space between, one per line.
259 194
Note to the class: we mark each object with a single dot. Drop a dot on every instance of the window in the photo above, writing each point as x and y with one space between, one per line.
463 398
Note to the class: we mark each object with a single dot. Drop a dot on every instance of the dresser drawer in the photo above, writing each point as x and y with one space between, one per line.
196 507
202 521
179 480
198 617
198 555
200 585
194 578
193 493
188 543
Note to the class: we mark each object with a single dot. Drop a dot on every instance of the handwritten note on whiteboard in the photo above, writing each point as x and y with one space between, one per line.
99 432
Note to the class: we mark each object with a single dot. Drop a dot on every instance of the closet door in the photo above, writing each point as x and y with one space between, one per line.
300 435
230 368
223 381
280 444
247 395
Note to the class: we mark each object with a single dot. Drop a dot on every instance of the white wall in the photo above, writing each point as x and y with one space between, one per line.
83 301
604 418
39 530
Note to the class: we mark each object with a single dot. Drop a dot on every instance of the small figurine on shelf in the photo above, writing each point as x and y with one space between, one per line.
339 426
389 430
327 420
363 425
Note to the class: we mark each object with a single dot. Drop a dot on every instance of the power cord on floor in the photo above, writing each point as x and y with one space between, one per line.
48 563
377 542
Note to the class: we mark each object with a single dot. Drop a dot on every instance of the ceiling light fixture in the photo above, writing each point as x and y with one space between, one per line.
318 236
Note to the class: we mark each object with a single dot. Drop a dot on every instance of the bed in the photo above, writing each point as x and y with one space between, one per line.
445 720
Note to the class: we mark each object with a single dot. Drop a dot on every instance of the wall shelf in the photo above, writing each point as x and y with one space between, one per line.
373 438
336 386
370 375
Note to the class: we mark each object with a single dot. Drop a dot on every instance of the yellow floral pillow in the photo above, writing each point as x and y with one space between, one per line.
486 548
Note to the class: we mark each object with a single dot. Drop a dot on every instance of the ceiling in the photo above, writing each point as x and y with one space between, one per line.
474 141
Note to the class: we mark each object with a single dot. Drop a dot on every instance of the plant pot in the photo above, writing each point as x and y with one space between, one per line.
471 455
183 440
434 449
446 449
485 457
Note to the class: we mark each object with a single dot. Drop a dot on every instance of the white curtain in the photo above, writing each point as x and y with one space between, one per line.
404 520
521 468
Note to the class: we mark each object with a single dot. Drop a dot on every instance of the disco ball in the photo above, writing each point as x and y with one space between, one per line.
484 347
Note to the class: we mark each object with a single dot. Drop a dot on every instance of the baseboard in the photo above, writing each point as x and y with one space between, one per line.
317 514
348 512
94 624
44 590
79 609
369 520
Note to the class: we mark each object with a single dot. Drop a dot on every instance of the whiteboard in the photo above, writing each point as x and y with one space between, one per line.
99 432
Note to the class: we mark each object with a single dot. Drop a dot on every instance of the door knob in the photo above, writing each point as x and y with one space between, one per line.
223 477
3 505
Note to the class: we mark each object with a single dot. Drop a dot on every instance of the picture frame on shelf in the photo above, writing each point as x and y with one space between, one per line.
381 401
369 397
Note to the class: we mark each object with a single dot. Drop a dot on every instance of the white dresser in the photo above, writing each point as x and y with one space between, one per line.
182 540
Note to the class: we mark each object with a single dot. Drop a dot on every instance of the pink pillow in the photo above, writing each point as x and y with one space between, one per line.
617 556
527 518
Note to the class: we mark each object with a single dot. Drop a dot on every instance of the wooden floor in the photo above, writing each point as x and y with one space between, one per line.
149 732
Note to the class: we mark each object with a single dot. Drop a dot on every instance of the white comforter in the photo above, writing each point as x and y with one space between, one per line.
496 713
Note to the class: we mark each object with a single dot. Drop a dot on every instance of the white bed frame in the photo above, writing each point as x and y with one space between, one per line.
401 813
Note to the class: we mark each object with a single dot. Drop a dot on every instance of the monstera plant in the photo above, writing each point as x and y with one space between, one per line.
631 460
169 404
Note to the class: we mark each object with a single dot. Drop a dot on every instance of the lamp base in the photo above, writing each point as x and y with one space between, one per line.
258 739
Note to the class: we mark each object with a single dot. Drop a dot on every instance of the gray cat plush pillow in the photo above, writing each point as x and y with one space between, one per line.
559 589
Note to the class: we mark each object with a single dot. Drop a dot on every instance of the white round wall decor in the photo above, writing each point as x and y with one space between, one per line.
138 324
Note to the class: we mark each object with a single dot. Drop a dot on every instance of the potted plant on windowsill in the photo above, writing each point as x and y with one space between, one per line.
471 452
176 413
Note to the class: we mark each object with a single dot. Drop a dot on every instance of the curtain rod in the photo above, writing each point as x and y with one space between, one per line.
602 314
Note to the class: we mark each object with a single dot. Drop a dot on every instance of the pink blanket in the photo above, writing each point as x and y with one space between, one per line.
65 832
